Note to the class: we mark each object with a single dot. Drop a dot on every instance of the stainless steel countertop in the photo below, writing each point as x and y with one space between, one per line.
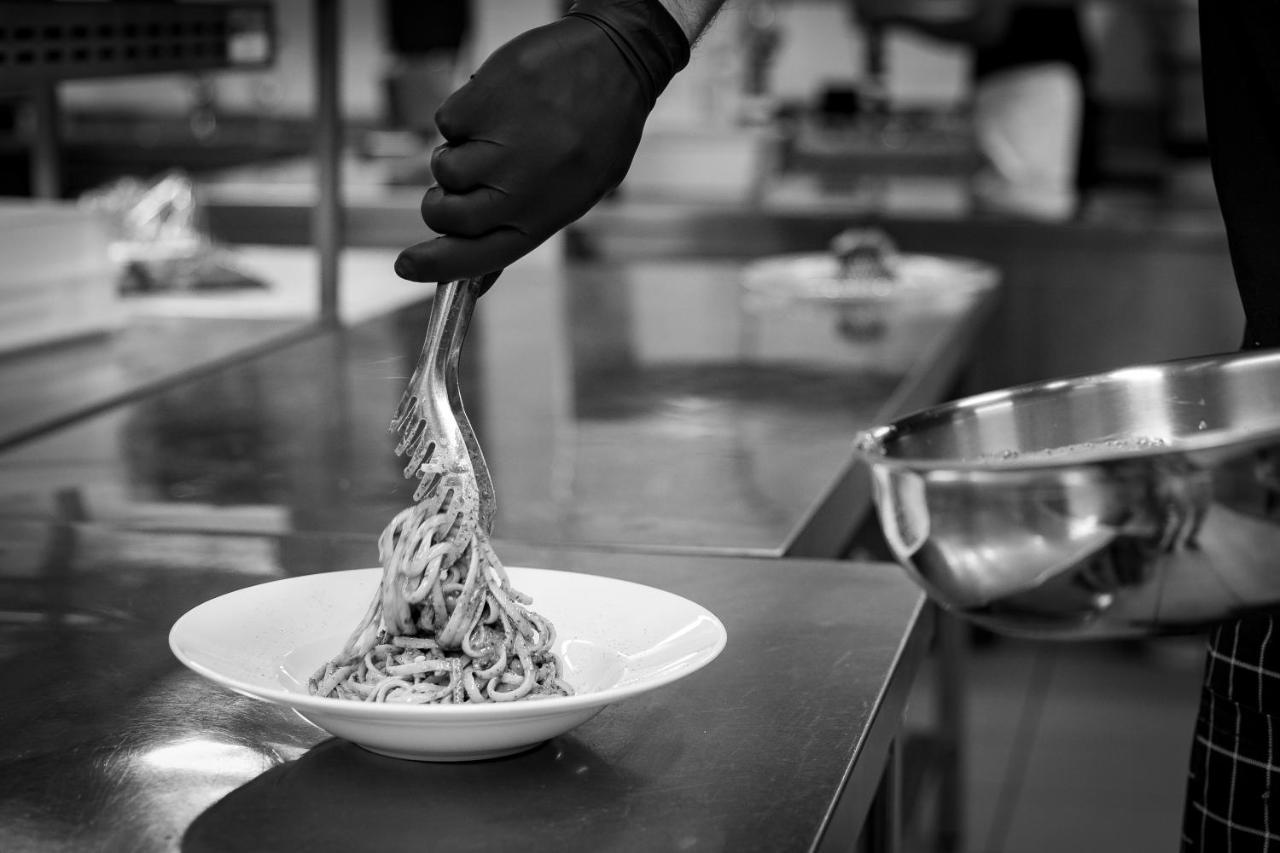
634 406
109 744
48 387
637 408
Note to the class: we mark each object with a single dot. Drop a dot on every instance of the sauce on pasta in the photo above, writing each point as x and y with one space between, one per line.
445 625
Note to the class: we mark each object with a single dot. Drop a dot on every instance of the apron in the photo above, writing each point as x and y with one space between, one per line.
1233 768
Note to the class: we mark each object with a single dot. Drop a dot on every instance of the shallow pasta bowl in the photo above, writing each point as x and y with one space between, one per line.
1139 501
616 639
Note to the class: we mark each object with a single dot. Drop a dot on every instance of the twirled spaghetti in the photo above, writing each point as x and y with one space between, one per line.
445 625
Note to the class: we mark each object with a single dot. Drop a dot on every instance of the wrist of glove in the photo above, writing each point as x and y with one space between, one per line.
541 132
646 36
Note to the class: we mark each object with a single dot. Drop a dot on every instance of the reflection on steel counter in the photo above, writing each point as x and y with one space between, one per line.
109 744
593 390
309 804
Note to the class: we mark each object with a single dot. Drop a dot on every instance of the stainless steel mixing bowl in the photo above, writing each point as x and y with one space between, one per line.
1140 501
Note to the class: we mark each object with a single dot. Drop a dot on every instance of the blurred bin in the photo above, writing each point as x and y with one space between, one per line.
57 281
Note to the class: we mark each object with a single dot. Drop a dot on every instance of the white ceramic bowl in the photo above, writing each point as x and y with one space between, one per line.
616 639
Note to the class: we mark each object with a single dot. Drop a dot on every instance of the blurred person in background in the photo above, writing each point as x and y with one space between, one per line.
425 41
427 46
549 124
1032 106
1234 758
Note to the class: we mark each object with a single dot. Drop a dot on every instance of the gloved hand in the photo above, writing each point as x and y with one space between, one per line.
540 133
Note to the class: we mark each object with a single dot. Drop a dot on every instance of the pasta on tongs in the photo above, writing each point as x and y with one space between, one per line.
445 624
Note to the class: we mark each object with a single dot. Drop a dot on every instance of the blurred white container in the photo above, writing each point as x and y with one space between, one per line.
1027 122
728 164
56 278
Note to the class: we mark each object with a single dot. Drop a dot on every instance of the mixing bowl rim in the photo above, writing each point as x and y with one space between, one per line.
869 444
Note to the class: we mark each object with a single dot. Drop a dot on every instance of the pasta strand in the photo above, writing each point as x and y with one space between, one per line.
445 625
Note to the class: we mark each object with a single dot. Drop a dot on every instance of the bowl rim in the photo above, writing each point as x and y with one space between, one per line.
869 443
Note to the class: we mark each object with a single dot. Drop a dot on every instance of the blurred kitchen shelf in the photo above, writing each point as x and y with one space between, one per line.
271 203
43 43
902 144
97 147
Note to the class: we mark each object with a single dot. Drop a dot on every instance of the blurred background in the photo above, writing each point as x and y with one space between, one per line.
1075 127
179 192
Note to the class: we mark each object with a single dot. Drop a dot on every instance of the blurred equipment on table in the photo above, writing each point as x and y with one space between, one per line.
159 240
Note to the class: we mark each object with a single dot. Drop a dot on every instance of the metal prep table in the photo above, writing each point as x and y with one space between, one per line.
640 421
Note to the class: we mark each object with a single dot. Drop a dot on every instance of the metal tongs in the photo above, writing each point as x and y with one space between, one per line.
430 420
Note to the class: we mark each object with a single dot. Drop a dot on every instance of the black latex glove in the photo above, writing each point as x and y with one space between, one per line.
540 133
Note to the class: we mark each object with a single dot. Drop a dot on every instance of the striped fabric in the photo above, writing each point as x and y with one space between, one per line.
1235 757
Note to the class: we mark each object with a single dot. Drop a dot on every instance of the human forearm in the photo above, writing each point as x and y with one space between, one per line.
693 16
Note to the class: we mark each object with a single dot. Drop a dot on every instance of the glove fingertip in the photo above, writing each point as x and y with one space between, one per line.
407 268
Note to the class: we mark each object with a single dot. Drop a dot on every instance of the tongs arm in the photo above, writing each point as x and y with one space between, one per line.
460 306
431 418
